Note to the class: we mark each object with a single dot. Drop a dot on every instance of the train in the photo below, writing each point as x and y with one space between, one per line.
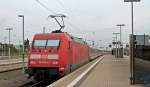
56 54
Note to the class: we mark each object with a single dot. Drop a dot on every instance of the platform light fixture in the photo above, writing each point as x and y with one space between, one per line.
116 43
9 29
23 51
132 61
120 25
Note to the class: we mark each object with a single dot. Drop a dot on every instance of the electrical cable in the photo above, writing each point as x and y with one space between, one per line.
71 25
45 7
64 8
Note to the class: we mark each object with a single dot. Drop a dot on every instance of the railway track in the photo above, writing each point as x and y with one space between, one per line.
10 67
36 84
11 63
23 82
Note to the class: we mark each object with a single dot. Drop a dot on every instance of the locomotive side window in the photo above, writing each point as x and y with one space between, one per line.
53 44
39 43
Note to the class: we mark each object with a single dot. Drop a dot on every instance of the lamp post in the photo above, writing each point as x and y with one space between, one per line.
23 51
132 61
121 47
120 25
116 42
5 45
9 29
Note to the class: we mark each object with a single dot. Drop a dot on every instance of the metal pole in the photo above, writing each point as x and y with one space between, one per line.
4 46
120 37
23 42
132 60
116 45
120 46
9 40
9 43
23 50
132 47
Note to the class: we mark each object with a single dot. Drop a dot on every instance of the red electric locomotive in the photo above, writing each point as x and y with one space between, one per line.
56 54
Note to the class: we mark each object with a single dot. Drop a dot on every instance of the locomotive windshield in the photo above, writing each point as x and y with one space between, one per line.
49 44
52 44
39 43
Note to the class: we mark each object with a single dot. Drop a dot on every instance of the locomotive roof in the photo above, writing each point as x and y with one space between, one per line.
46 35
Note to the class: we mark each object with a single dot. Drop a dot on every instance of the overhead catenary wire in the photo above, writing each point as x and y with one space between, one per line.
64 7
73 26
44 6
69 23
59 1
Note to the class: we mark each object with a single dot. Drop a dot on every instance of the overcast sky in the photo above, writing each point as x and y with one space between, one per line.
89 19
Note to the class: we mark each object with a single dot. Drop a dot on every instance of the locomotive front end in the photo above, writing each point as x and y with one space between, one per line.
43 61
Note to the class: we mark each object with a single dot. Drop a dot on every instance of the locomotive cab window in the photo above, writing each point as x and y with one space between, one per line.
52 44
39 43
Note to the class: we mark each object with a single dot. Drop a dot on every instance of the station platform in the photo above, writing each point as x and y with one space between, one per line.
110 72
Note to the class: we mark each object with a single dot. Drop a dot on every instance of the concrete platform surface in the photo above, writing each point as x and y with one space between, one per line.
63 82
110 72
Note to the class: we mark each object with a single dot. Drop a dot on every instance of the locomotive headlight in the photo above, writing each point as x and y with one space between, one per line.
32 62
53 56
35 56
